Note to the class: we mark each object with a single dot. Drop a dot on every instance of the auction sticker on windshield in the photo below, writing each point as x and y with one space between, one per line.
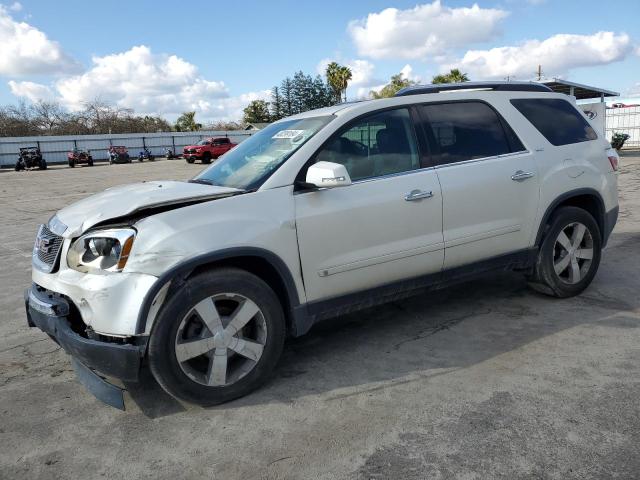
288 134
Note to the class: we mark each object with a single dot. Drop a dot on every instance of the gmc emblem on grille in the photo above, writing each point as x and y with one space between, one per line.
44 245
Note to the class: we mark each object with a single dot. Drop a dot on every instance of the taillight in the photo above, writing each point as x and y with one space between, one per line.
613 160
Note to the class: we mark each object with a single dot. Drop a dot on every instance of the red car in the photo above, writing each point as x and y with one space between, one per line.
207 149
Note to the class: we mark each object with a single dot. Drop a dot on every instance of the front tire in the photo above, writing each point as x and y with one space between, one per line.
218 338
206 158
43 164
570 253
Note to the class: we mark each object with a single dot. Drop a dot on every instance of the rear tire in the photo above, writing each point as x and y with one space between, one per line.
235 326
43 164
90 162
72 164
570 253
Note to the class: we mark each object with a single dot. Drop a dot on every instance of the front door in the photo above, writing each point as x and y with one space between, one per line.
489 181
386 226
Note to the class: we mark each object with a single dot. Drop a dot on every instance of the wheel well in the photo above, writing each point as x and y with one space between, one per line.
262 269
586 201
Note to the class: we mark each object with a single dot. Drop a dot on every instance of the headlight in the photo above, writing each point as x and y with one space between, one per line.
101 251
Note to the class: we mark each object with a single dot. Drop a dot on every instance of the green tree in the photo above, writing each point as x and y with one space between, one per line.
454 76
338 77
276 104
396 84
257 112
187 123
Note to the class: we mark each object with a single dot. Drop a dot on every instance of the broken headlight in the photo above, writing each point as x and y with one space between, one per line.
101 251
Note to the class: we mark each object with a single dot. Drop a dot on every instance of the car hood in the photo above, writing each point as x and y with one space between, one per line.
195 146
137 198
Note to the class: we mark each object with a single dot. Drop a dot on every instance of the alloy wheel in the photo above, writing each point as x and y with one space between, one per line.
573 253
221 339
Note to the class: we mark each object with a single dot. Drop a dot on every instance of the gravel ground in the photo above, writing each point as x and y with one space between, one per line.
484 380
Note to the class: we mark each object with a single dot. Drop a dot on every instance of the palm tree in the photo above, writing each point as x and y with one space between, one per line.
454 76
187 123
338 77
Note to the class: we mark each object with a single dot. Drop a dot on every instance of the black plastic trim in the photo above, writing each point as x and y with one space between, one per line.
120 360
610 220
183 269
332 307
495 86
566 196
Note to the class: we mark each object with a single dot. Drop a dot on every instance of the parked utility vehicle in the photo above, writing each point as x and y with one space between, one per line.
30 158
320 214
207 149
76 157
118 154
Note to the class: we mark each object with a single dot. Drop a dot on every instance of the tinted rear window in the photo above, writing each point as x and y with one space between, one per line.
466 130
556 119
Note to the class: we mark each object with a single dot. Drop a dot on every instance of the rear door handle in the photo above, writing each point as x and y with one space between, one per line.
521 175
417 195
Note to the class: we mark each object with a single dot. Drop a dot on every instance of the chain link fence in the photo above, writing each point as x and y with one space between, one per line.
55 149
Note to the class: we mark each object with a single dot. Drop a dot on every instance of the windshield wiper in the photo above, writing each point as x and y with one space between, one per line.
202 181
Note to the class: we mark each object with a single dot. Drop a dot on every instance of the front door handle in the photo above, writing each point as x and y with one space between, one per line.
521 175
417 195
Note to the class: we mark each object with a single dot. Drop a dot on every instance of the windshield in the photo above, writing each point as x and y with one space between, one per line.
249 164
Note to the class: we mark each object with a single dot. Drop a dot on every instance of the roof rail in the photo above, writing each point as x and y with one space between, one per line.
496 86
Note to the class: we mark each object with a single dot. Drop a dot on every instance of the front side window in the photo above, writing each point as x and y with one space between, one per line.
465 131
556 119
375 145
203 142
248 165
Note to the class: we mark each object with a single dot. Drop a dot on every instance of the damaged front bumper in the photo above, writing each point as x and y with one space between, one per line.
93 358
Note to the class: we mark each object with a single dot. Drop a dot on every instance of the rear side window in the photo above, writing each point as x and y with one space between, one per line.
465 131
557 120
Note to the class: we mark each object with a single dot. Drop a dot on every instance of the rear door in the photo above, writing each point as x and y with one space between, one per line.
386 226
488 179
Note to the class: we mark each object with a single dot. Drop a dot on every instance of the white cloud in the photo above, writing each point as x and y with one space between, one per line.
146 82
407 74
557 55
427 29
31 91
15 7
25 50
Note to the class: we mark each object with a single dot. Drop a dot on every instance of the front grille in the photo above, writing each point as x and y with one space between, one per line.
190 150
46 249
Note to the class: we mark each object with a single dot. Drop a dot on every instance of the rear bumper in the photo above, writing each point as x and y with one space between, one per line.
52 314
610 220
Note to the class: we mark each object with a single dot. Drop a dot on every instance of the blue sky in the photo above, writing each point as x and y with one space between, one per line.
214 57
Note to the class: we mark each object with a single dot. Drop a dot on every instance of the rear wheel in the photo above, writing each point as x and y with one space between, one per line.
19 165
43 164
72 163
570 254
90 162
218 338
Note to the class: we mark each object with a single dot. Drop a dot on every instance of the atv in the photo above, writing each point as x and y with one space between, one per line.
76 157
29 158
119 154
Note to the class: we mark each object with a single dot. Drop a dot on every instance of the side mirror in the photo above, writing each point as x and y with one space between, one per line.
328 175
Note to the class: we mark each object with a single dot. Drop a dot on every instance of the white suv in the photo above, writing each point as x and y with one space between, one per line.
317 215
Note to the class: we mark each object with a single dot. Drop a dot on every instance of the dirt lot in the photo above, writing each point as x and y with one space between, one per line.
486 380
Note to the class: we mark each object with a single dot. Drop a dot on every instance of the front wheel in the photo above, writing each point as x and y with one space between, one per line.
569 256
218 338
206 158
190 159
43 164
